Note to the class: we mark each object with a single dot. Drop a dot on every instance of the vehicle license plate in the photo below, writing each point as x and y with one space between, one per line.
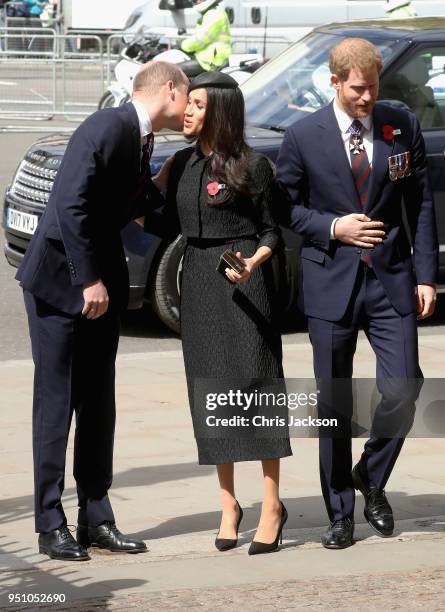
21 221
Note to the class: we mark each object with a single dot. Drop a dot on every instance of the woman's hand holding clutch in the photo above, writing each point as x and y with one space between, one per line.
241 277
250 263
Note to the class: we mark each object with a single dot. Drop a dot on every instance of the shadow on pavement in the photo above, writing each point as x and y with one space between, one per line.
18 508
304 512
55 580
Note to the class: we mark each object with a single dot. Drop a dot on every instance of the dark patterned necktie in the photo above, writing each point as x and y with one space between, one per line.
144 171
147 151
360 167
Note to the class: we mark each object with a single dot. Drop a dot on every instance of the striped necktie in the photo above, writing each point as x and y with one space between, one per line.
359 160
360 167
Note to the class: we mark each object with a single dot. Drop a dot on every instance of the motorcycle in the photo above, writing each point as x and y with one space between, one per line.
150 46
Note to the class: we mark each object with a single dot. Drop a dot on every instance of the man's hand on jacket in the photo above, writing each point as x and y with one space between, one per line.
359 230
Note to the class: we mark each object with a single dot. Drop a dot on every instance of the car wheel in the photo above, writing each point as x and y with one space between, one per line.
166 284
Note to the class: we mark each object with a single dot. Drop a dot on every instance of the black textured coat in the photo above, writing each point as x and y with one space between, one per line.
228 331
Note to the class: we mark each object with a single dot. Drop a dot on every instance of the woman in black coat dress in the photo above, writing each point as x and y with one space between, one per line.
219 196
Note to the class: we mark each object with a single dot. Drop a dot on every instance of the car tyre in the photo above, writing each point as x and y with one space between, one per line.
166 283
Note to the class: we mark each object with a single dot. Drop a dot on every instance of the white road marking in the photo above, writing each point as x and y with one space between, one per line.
39 95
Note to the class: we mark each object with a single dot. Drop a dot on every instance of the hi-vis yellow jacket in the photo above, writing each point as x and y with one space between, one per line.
211 43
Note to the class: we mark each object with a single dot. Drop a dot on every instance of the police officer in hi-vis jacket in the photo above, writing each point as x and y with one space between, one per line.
211 43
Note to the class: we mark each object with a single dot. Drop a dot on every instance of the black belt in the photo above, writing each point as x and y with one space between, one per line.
209 242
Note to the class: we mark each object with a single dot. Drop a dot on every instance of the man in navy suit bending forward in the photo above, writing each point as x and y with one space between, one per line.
349 169
75 281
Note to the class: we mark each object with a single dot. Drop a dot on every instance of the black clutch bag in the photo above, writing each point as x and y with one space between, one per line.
229 260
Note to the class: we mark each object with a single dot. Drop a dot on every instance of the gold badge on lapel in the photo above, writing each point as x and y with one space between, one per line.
399 166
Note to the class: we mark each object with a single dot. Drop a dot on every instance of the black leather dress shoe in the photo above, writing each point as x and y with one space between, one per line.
60 544
377 512
108 536
340 534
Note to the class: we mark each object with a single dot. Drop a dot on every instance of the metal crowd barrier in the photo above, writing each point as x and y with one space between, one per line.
45 75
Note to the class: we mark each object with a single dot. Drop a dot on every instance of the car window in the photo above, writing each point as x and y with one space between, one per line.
297 82
419 84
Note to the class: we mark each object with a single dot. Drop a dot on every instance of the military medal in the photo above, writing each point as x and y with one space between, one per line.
355 146
392 171
399 166
392 167
355 143
407 167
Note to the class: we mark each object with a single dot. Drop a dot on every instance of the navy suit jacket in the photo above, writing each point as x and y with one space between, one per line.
313 169
97 191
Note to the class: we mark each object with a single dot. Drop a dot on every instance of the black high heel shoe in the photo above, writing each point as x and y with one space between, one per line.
223 544
258 548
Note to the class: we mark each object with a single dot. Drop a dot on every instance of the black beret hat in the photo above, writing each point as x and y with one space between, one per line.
213 79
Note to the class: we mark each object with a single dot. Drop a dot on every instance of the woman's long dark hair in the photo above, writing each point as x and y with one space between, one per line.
223 132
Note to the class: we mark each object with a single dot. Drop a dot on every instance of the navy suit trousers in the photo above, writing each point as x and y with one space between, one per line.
393 338
74 371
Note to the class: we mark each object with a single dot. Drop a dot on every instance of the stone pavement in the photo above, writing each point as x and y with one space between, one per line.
161 494
412 590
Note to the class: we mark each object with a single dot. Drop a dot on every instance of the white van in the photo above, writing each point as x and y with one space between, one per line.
267 26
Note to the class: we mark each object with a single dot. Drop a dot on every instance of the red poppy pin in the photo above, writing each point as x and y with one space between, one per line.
388 132
214 187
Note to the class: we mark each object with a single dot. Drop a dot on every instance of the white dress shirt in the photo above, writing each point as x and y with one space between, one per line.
145 126
344 123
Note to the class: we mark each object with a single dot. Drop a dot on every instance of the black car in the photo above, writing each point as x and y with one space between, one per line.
294 83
